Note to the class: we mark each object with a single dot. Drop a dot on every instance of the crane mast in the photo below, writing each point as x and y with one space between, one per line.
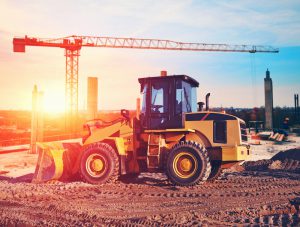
73 45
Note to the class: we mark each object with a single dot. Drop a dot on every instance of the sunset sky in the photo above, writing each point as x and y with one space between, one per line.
234 79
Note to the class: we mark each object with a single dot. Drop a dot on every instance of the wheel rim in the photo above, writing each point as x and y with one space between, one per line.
185 165
96 165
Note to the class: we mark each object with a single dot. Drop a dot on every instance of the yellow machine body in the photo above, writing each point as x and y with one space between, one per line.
233 148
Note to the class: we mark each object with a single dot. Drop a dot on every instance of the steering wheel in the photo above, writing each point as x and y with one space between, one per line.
156 108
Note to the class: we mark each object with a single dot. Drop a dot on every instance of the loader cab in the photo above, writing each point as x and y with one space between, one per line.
165 99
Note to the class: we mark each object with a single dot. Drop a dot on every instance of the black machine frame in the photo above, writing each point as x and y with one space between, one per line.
173 119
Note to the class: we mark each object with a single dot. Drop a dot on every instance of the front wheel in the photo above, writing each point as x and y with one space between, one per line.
99 164
188 164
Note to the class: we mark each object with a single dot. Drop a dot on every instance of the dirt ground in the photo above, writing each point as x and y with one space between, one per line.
266 193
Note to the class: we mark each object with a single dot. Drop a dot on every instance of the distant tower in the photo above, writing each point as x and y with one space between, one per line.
296 98
268 101
92 98
37 120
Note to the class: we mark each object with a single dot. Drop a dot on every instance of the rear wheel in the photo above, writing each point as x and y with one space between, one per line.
99 164
188 164
216 171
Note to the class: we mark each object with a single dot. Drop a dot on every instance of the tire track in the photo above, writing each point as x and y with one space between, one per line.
245 198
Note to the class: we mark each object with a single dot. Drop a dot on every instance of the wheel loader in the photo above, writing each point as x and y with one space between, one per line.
170 133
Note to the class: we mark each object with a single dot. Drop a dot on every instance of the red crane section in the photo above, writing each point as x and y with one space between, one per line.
73 45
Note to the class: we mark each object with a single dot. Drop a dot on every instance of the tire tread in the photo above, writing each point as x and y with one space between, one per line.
201 149
104 146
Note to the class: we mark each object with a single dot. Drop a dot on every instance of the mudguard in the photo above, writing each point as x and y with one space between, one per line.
57 161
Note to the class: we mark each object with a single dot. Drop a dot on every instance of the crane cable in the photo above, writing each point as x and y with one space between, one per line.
253 79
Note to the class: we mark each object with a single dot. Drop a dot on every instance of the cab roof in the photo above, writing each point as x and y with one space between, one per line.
190 80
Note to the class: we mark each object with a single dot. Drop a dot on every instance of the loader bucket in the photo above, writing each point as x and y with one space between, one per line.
57 161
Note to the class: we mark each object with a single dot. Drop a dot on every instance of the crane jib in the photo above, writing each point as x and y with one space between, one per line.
73 45
113 42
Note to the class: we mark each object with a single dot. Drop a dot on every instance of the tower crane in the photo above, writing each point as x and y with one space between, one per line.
73 45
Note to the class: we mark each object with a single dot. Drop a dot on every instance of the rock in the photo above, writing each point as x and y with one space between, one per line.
275 165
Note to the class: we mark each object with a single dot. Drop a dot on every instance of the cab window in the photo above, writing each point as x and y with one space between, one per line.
185 97
144 98
159 97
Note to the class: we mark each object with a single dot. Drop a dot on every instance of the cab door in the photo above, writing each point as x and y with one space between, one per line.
159 104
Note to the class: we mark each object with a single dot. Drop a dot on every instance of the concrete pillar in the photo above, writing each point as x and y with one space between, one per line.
92 98
34 121
37 120
268 101
296 99
40 117
138 108
298 110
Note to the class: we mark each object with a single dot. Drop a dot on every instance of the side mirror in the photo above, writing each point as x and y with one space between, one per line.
125 114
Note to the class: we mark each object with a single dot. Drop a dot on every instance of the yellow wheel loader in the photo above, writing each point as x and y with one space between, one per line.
169 134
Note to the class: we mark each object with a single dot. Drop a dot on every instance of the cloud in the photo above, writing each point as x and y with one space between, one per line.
250 22
234 22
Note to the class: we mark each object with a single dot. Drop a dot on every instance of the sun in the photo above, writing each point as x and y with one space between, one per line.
54 103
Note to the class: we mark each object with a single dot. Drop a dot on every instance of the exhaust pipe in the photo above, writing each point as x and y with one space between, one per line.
207 101
200 106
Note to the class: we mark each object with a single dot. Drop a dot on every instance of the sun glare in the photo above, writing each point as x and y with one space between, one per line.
54 104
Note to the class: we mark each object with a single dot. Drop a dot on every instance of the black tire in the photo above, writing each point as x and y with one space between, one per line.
188 164
99 164
216 171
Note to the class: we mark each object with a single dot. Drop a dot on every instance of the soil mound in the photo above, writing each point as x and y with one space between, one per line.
259 165
288 160
292 154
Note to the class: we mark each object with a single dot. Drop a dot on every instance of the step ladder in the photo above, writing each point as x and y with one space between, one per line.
154 151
